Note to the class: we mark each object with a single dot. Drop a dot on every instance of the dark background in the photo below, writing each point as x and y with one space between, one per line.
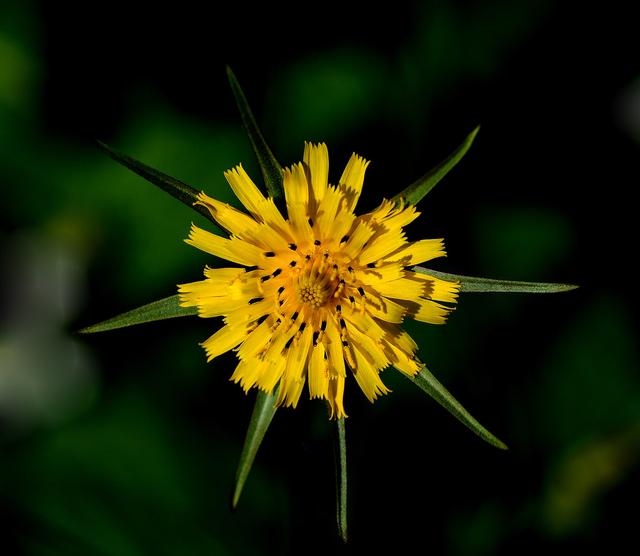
126 443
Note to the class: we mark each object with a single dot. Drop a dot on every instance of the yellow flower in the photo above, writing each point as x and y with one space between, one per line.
319 293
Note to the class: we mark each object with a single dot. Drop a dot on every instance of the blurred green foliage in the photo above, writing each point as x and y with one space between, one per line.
346 88
144 462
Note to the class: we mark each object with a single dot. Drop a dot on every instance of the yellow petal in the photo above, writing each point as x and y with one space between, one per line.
249 311
234 249
406 288
293 379
401 217
256 341
363 322
333 346
367 376
223 340
270 374
381 245
335 396
399 337
357 238
231 219
268 238
280 337
262 209
214 286
246 191
247 372
340 228
385 309
316 157
326 214
297 195
441 290
217 306
391 216
296 187
225 290
352 179
402 360
368 341
219 277
430 311
318 373
417 252
380 273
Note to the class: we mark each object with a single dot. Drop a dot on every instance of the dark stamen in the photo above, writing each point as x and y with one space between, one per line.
342 323
315 338
344 239
281 302
276 272
310 222
251 268
286 346
339 308
323 325
293 263
352 299
361 291
280 290
371 265
307 257
265 278
350 269
293 246
345 343
255 300
262 319
317 242
302 327
294 316
269 254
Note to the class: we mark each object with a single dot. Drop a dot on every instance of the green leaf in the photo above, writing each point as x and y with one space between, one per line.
418 189
263 413
469 284
166 308
427 382
341 478
174 187
270 167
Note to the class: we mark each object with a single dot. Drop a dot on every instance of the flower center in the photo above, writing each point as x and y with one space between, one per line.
314 294
317 281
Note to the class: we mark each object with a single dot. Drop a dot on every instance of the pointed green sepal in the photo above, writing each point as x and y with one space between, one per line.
271 169
263 413
167 308
413 193
341 478
470 284
428 383
174 187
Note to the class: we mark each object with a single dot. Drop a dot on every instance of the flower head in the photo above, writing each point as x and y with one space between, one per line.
320 292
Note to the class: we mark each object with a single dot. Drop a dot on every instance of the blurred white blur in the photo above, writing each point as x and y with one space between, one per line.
46 375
